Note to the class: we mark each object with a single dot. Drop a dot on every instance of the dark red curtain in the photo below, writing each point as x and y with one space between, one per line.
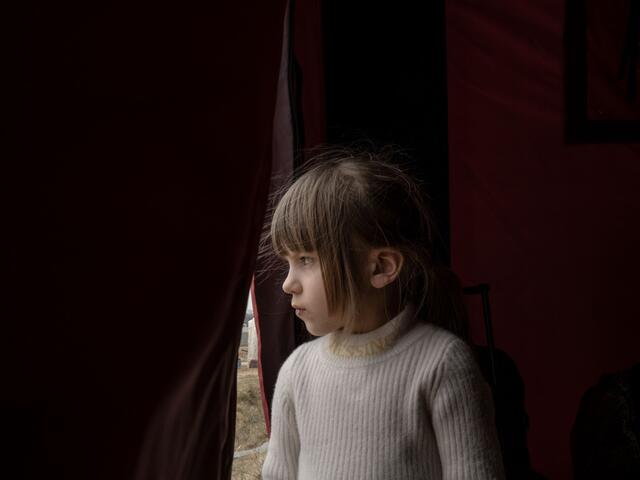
136 184
552 227
299 124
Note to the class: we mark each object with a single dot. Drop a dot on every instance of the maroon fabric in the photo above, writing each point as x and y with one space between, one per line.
275 319
137 187
309 52
271 310
552 228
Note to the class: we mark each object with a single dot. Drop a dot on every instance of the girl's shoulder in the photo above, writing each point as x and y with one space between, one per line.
436 341
443 358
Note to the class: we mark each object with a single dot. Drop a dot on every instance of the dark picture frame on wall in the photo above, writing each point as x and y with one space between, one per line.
602 71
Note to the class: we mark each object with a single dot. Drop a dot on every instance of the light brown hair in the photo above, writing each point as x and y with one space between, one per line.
345 200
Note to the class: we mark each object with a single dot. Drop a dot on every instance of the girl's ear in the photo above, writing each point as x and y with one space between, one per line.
384 266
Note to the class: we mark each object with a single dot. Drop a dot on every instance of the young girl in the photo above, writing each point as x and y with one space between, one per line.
390 389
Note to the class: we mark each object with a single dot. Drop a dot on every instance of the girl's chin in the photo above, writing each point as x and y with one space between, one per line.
309 326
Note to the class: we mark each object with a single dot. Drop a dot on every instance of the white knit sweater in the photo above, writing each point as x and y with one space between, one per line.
404 401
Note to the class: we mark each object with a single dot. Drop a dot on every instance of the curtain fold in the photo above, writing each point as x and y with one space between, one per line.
298 125
272 313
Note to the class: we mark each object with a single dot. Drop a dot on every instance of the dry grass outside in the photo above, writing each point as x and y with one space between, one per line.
249 467
250 423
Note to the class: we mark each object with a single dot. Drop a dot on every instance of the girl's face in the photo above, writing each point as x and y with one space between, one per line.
305 285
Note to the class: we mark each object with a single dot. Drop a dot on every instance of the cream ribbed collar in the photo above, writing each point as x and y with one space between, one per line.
371 343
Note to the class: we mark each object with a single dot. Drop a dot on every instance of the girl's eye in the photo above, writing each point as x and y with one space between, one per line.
305 260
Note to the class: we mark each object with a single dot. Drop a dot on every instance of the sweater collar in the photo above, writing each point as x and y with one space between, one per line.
373 342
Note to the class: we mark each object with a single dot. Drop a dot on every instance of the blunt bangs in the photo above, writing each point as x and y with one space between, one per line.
291 228
310 215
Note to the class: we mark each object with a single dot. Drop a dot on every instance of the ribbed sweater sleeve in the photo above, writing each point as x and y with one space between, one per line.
281 462
463 418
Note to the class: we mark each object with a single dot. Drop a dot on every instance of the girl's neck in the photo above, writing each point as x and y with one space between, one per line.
377 309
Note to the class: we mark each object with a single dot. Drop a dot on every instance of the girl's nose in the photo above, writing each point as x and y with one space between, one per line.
290 285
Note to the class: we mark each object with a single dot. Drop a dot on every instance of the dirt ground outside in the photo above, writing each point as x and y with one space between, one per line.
250 423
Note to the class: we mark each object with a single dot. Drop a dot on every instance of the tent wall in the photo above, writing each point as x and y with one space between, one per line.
553 227
136 190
